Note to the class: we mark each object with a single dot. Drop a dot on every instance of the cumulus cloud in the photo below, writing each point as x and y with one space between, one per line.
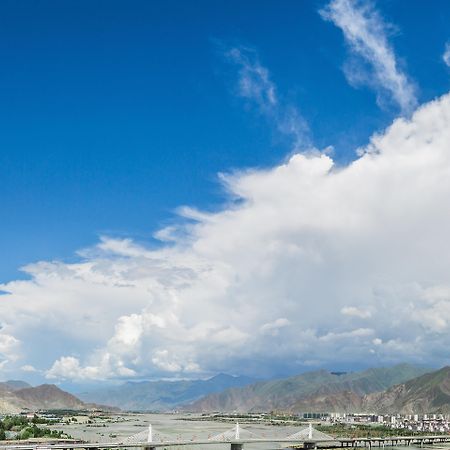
29 368
9 348
255 85
366 33
274 327
446 55
356 312
69 368
316 266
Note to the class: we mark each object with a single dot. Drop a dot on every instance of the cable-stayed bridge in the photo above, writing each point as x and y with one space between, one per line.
306 438
237 436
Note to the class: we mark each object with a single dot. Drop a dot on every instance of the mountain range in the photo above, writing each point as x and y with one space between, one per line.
429 393
399 389
161 395
318 391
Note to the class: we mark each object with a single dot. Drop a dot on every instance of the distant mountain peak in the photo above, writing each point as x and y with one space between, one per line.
17 396
17 384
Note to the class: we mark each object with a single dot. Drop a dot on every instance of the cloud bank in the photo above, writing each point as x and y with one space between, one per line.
315 266
366 35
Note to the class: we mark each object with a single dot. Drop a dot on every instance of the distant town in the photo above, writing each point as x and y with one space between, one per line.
398 423
430 423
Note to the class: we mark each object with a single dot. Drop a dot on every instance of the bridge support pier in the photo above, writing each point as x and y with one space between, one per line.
149 447
236 446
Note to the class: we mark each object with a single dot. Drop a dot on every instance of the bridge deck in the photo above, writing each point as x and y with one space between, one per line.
305 443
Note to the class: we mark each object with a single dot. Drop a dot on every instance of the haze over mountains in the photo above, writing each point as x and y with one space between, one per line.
399 389
162 395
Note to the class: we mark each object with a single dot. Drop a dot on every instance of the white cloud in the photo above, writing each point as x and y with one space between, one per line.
163 361
274 327
446 55
29 368
9 347
68 367
106 366
282 280
366 34
167 362
355 312
255 85
254 81
358 333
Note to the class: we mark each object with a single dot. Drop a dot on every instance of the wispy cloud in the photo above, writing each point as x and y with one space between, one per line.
446 55
254 80
255 85
366 33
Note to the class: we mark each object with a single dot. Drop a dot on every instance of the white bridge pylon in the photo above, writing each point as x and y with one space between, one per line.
146 437
310 433
237 433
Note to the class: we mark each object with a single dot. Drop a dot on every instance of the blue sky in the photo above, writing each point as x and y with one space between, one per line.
114 115
118 114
